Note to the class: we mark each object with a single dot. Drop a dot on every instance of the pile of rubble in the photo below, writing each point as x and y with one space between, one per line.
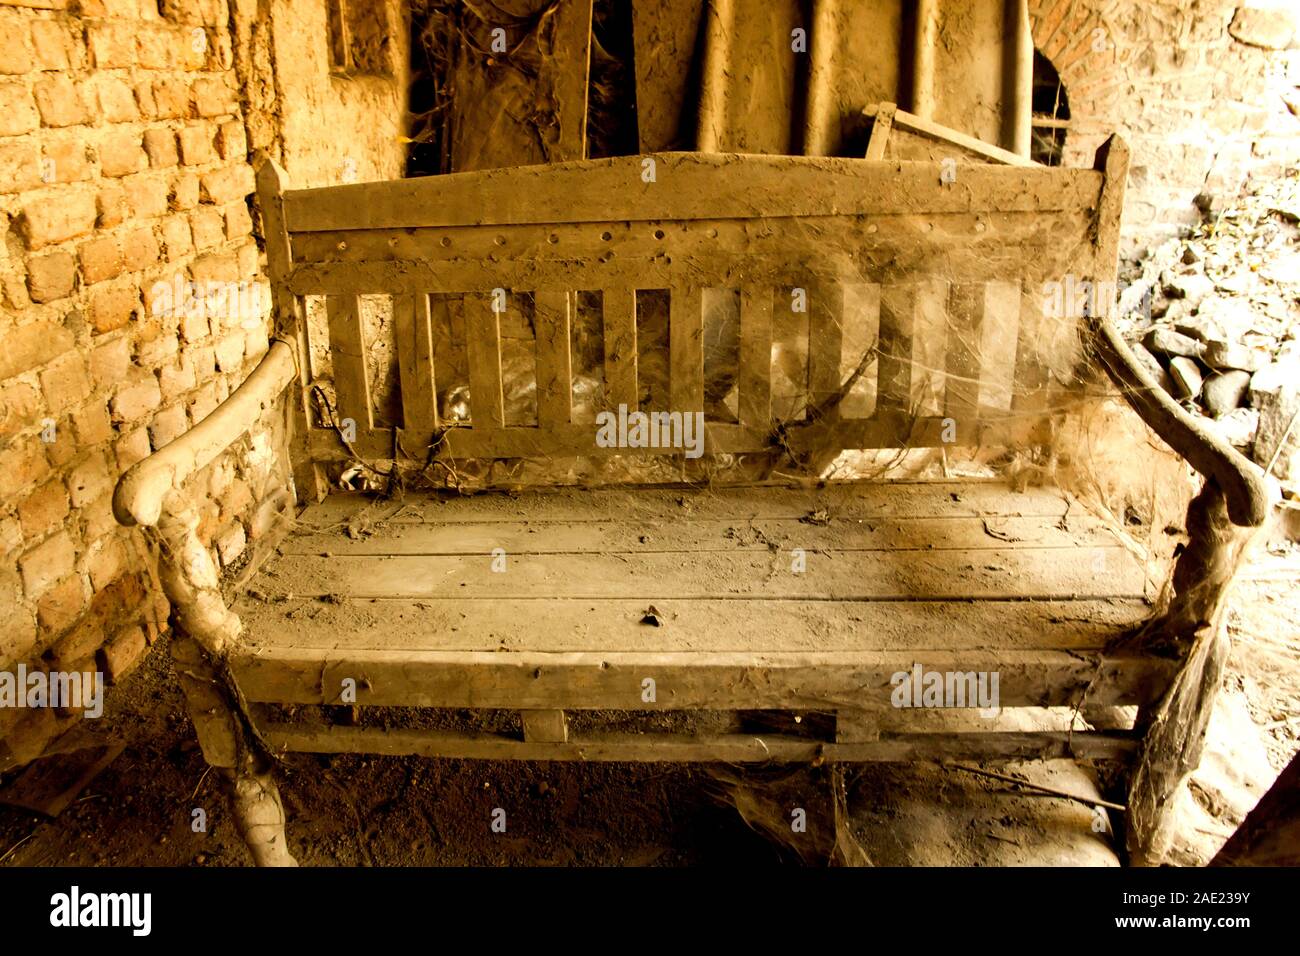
1215 316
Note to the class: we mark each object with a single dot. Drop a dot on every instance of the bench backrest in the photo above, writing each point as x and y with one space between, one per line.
924 289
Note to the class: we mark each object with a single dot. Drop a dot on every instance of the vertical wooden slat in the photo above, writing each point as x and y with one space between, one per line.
1030 376
964 363
348 357
413 329
554 365
825 346
686 350
619 311
483 345
897 321
755 377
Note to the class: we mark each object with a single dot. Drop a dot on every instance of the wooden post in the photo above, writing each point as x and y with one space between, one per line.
1018 95
229 748
718 20
924 44
820 133
290 323
1174 732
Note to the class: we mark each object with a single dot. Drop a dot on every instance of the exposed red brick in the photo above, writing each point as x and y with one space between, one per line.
51 277
112 308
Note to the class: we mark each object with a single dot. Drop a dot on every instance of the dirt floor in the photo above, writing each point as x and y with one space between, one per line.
353 810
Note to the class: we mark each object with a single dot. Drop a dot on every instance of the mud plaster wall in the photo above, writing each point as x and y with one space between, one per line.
337 128
1200 89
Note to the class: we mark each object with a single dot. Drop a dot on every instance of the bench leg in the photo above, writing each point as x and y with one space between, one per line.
1174 730
229 747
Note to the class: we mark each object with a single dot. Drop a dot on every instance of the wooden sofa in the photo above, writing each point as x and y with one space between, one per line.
655 620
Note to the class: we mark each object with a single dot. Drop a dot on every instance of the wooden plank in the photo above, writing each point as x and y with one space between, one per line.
1028 392
734 681
686 350
413 333
672 748
309 479
717 186
1018 573
630 536
897 321
689 627
552 317
983 246
882 430
536 91
925 40
618 304
945 136
663 33
850 502
882 125
1018 101
825 347
755 373
964 359
719 26
483 345
821 119
349 360
545 726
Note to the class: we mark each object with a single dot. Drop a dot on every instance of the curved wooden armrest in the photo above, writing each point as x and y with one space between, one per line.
140 492
1247 491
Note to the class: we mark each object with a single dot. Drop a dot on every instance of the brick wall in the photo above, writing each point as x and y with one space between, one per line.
1204 91
124 174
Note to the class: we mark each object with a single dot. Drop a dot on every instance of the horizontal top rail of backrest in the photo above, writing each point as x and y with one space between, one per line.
688 186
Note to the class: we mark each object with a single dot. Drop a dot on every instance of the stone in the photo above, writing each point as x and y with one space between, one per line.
1275 393
1267 27
1238 427
1186 375
1234 355
1192 287
230 542
1166 341
1152 365
1223 391
56 217
1232 315
1200 327
29 346
51 277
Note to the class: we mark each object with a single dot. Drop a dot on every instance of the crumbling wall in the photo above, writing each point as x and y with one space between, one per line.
1203 90
124 191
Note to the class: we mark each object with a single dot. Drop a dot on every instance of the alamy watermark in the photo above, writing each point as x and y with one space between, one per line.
627 429
60 689
75 908
1075 298
921 688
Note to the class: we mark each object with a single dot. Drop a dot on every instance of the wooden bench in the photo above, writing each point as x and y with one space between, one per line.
673 607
